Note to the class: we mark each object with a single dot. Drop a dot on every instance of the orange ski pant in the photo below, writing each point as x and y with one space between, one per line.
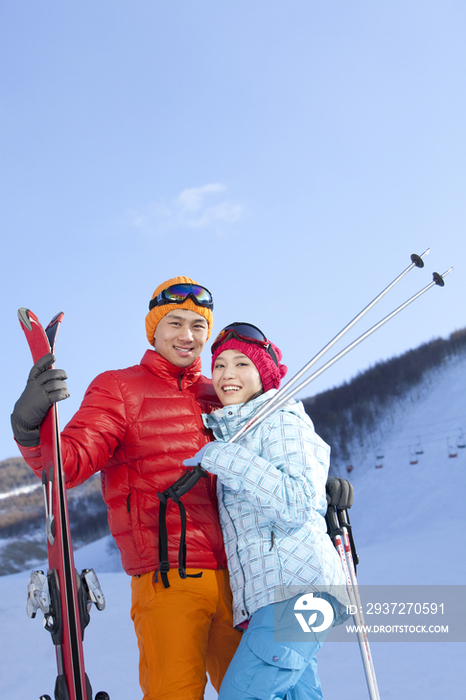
183 631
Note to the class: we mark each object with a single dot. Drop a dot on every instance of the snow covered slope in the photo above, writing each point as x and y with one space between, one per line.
406 520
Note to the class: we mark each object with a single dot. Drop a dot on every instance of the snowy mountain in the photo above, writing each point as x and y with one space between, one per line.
22 542
409 478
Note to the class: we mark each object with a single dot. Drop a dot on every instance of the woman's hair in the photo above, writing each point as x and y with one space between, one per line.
254 396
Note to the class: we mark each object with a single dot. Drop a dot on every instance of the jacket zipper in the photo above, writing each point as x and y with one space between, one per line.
244 609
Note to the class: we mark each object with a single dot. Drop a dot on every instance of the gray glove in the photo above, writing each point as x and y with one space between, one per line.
44 387
340 492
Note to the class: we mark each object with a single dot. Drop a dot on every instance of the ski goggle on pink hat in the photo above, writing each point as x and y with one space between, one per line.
253 343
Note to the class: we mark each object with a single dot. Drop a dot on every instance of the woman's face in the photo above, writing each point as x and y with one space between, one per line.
235 377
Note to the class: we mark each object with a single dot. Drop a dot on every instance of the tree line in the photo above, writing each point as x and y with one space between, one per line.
346 412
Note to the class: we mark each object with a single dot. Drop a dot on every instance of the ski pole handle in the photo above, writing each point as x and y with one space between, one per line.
333 526
182 485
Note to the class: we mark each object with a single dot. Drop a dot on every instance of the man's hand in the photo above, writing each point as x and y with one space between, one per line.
340 493
44 387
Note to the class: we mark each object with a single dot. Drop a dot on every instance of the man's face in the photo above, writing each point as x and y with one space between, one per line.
180 336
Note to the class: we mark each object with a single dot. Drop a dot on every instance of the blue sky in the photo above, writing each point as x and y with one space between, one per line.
289 156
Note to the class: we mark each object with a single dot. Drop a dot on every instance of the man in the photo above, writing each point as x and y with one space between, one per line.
136 426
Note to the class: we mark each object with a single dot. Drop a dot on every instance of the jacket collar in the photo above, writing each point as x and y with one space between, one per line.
162 368
229 419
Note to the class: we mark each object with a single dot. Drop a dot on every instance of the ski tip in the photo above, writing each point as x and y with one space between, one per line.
23 315
56 318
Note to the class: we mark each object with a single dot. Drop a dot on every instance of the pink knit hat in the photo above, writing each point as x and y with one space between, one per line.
270 374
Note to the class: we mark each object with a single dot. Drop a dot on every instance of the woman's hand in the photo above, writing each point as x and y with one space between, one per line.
196 461
340 492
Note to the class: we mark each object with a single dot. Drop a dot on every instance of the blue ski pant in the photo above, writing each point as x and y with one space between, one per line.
264 669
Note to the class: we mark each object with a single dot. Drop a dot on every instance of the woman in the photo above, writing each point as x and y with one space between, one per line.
272 504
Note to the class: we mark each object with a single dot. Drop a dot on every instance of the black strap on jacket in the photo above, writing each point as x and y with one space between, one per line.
175 492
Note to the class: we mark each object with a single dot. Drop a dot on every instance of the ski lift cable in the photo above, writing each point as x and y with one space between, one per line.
410 434
461 418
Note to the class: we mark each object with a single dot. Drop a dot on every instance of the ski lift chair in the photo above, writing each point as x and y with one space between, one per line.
461 444
452 452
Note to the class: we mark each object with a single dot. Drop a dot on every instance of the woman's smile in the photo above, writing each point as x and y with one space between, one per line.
235 378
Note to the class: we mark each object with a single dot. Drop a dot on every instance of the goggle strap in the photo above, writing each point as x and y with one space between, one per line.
272 353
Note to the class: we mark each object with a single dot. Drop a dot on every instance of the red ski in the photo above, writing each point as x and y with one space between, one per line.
63 595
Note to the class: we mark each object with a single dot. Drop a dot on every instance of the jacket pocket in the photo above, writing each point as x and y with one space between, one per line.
134 509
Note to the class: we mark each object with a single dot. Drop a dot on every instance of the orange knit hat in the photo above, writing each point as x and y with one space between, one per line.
158 312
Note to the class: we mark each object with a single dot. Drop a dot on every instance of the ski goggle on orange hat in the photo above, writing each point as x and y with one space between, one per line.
179 293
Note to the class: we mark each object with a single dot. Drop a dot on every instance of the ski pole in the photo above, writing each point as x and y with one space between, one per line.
284 394
416 261
345 527
437 280
344 523
336 532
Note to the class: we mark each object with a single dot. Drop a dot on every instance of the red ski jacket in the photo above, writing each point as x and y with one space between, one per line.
136 426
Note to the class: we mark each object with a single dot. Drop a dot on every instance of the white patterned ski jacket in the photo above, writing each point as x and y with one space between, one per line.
272 504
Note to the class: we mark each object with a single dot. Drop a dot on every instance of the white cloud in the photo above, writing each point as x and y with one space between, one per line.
192 199
195 207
